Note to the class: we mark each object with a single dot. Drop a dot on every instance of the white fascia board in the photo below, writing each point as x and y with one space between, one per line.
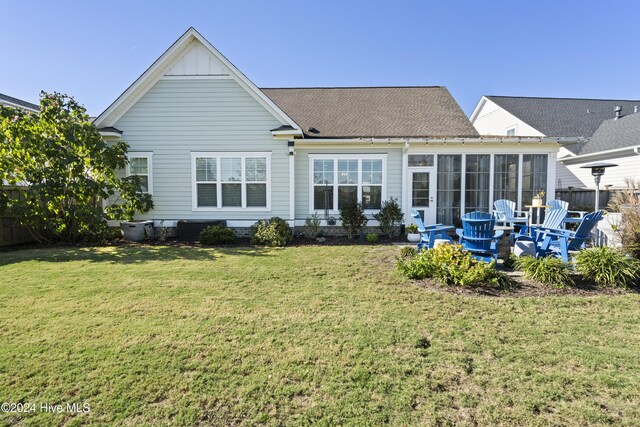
476 111
437 141
632 149
155 73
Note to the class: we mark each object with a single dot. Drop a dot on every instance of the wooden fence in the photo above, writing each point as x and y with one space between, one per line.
11 233
584 199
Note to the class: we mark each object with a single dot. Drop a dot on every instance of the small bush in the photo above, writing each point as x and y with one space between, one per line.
608 267
390 217
217 235
451 265
549 270
353 218
371 238
272 232
412 229
408 252
312 224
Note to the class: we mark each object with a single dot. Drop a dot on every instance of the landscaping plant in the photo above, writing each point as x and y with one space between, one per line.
608 267
371 237
451 265
217 235
627 202
272 232
312 224
390 217
353 218
548 270
69 169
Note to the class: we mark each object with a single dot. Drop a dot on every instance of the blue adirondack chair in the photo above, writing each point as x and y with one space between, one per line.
559 243
505 212
553 220
477 235
572 216
429 233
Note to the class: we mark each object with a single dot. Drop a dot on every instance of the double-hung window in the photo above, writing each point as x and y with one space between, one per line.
140 166
231 180
339 179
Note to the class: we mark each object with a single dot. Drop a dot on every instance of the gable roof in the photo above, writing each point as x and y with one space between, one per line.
384 112
563 116
10 100
164 66
611 135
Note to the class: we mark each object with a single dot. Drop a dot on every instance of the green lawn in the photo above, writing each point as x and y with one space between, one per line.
302 335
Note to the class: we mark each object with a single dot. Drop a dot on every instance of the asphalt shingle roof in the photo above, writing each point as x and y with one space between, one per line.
612 134
564 116
382 112
20 102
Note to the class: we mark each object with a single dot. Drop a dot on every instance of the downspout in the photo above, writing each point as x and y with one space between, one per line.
292 182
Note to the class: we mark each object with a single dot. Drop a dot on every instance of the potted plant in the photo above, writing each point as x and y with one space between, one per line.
537 199
412 233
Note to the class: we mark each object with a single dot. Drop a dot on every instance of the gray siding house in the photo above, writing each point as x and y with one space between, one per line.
209 144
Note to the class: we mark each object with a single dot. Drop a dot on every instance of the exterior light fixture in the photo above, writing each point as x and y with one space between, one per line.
292 150
597 170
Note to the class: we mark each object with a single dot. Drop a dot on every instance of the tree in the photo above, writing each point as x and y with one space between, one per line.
353 218
390 217
67 172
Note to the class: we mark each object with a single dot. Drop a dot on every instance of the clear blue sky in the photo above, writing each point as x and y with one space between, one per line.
559 48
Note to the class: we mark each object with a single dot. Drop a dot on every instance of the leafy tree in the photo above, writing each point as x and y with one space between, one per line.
66 170
390 217
353 218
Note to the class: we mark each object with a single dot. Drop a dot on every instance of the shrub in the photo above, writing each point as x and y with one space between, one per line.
408 252
451 265
272 232
549 270
217 235
353 218
312 223
627 202
390 217
371 237
608 266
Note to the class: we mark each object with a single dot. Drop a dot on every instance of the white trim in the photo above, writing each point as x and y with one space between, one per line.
14 105
155 72
492 173
551 176
335 157
631 148
107 134
227 154
476 111
142 155
197 77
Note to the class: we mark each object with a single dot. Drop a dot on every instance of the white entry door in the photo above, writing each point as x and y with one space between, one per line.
422 193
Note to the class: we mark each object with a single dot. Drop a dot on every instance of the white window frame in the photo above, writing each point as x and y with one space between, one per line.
335 185
226 154
142 155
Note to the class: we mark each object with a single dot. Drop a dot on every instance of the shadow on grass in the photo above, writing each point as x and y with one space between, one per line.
126 254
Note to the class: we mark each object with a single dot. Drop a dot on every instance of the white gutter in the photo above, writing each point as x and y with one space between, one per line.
635 149
443 140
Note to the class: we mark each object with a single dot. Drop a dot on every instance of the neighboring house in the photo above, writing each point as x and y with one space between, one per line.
565 117
209 144
10 101
616 141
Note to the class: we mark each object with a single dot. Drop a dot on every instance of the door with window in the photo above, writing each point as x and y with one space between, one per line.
422 193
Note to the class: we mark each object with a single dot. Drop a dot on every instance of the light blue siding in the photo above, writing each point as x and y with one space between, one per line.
177 117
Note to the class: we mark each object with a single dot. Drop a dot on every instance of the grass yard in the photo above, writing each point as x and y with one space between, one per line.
299 336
